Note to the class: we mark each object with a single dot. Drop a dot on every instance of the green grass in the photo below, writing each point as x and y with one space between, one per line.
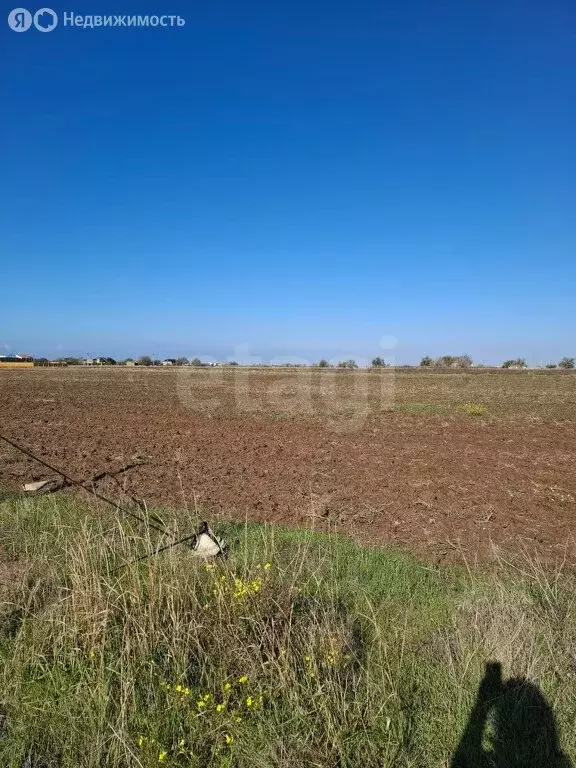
300 650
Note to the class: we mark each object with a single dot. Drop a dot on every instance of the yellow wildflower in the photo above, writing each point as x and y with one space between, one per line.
227 687
267 566
162 756
220 707
243 679
229 738
249 701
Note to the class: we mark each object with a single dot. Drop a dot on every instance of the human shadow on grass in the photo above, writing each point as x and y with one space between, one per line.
523 727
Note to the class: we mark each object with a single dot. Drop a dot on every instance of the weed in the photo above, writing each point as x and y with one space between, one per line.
474 409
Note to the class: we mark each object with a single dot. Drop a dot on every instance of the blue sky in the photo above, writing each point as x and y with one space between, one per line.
293 179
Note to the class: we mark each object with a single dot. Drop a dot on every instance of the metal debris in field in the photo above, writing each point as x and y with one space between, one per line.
37 486
53 485
206 544
67 480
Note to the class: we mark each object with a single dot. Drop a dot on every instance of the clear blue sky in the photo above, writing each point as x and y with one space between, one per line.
302 178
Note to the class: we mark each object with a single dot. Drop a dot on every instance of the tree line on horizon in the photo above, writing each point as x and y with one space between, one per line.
465 361
444 361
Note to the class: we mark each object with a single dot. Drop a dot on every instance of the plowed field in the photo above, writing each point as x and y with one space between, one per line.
440 462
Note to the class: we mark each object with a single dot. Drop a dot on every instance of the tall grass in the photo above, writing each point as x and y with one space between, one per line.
300 650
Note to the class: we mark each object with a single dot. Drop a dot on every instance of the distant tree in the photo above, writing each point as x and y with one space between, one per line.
426 362
519 362
551 365
567 363
463 361
196 362
233 362
144 360
453 361
378 362
107 361
182 361
323 364
347 364
41 360
446 361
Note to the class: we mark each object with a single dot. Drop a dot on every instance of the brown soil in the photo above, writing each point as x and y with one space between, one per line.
437 482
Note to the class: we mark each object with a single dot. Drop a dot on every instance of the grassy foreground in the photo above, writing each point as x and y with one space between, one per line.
301 650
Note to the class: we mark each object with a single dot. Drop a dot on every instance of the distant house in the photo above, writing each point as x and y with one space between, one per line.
169 361
88 361
130 362
16 361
